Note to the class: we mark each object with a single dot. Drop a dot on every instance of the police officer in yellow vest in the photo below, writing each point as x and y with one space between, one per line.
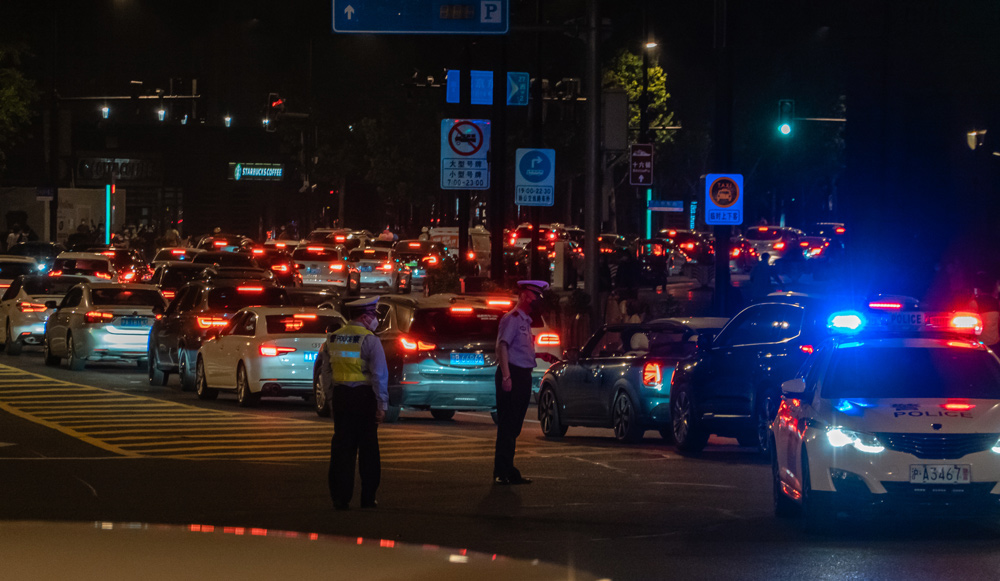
352 367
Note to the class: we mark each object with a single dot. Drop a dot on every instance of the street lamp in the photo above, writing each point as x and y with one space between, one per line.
644 99
227 120
105 112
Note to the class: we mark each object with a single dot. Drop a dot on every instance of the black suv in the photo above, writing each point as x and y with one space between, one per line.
198 308
731 386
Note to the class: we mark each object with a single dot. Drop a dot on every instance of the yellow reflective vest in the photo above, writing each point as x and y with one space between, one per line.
344 348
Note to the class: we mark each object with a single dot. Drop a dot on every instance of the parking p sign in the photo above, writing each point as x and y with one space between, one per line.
723 199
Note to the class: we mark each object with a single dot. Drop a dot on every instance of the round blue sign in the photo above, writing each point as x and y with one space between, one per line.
534 167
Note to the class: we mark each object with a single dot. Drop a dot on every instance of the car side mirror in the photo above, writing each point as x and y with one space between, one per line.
51 304
797 385
571 355
705 340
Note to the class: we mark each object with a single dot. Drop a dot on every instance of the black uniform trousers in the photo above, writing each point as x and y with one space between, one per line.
511 407
355 440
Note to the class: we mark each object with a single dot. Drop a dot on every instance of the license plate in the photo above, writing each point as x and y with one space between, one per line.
310 356
133 322
468 359
365 268
312 270
940 473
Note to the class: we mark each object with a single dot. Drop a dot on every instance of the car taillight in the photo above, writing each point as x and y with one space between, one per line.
209 322
258 251
386 266
305 316
272 351
279 267
689 246
735 253
169 294
513 240
414 345
315 248
652 375
177 252
128 275
98 317
281 245
804 244
31 307
53 273
103 275
840 230
462 310
219 243
414 245
779 245
250 289
431 260
471 256
4 286
337 267
506 303
807 349
547 340
339 238
762 228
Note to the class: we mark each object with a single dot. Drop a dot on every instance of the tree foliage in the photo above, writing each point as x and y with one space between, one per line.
17 97
625 71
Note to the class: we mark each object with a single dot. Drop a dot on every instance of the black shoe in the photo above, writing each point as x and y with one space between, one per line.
519 480
341 505
501 480
369 504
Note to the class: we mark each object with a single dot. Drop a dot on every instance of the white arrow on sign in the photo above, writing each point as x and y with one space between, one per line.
349 11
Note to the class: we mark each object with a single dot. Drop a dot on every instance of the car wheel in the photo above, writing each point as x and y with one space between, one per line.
156 376
50 359
186 377
13 345
201 383
766 409
392 414
320 403
75 362
689 437
784 507
443 414
244 397
548 415
625 419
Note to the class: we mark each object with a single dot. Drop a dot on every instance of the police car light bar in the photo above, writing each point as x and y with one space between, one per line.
846 322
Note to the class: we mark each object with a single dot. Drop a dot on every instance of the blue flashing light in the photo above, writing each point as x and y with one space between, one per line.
846 322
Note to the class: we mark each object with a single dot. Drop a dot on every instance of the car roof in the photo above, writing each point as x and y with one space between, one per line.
123 285
697 322
60 277
18 259
291 310
84 256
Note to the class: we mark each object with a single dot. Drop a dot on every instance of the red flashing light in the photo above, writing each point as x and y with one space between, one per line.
958 406
652 374
966 322
840 230
547 340
807 349
885 306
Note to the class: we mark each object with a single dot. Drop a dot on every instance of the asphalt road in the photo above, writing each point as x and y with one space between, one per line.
103 445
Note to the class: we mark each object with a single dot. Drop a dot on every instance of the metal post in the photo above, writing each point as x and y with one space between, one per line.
592 181
723 150
498 170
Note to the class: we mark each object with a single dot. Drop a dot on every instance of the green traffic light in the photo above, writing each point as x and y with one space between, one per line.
785 128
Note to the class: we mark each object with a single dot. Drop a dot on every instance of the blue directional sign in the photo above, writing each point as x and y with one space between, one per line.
421 16
518 86
724 199
453 91
535 180
481 87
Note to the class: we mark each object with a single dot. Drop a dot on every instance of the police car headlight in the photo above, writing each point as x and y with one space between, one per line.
996 447
840 437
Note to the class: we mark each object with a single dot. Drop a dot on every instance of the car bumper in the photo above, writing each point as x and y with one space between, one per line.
99 343
378 280
28 330
289 374
429 386
323 280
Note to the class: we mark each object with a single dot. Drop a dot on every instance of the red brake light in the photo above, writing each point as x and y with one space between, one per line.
779 246
279 267
272 351
807 349
415 344
958 406
280 244
500 303
31 307
804 244
735 253
128 275
104 275
652 374
219 243
314 248
306 316
169 294
209 322
250 289
385 266
552 235
885 306
110 253
472 256
53 273
840 229
547 339
339 238
177 252
672 233
98 317
463 310
431 259
762 228
414 245
689 246
258 251
337 266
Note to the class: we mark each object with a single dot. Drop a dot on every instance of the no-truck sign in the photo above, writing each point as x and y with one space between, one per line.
465 145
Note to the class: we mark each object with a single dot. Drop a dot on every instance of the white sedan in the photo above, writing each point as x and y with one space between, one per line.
264 351
25 306
903 423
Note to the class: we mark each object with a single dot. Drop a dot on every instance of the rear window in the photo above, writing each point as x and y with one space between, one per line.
369 254
232 299
176 277
173 254
311 299
13 270
316 253
445 324
45 285
908 372
80 266
111 297
226 259
302 324
758 234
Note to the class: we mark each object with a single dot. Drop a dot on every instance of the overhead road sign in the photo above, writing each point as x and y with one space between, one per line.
421 16
465 146
640 171
481 87
724 199
535 179
518 86
665 205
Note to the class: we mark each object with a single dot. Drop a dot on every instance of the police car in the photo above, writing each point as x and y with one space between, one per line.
897 413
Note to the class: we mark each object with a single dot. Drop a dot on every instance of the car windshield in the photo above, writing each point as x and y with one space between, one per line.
111 297
47 285
445 324
80 266
226 259
232 299
758 234
316 253
302 324
176 277
369 254
11 270
908 372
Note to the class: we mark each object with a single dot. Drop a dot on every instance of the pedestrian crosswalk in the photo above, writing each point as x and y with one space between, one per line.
137 426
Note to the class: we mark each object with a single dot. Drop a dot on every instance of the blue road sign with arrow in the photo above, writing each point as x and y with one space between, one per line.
535 179
518 86
421 17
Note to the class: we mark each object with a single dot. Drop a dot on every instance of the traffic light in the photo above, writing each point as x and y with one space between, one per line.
275 107
786 114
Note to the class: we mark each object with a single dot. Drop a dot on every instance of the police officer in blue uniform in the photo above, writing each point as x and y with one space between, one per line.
515 360
352 366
